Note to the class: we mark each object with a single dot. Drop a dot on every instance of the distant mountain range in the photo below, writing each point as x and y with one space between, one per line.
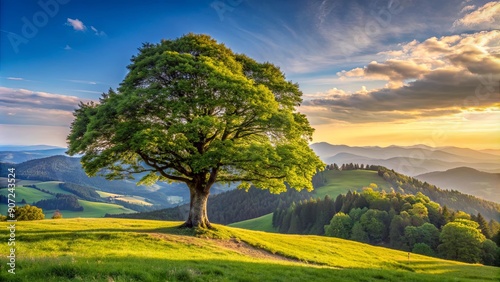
16 148
412 160
19 154
466 180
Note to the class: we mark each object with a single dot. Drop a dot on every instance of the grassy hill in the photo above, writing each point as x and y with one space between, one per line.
140 250
261 223
337 182
340 182
91 209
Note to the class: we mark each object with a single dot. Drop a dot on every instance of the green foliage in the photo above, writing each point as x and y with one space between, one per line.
423 249
358 233
427 234
461 240
191 107
61 202
489 254
84 192
340 226
190 110
28 212
397 229
405 226
374 222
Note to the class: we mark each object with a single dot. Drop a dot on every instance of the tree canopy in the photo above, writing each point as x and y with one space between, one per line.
191 110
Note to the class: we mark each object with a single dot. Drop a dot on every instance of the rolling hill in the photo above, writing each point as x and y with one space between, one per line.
68 169
467 180
91 209
140 250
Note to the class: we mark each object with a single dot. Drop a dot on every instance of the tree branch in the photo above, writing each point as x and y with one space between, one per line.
161 169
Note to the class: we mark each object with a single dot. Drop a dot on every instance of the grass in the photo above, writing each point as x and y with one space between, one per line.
337 182
52 186
138 200
141 250
91 209
29 194
135 200
107 194
340 182
262 223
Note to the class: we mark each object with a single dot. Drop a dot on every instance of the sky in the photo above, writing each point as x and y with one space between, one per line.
372 73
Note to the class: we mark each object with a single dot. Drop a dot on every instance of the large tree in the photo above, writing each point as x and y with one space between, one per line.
190 110
461 240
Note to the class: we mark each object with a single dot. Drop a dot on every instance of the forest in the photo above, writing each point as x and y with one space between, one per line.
405 222
61 202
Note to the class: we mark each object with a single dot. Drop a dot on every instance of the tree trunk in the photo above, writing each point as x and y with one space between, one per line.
197 210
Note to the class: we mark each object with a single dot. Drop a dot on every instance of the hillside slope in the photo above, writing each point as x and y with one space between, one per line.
91 209
139 250
466 180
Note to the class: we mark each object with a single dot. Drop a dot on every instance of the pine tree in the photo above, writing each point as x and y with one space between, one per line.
483 225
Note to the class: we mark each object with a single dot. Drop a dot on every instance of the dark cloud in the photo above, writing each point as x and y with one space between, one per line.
441 92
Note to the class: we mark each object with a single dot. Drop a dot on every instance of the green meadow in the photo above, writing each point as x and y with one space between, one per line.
90 209
131 199
261 223
340 182
141 250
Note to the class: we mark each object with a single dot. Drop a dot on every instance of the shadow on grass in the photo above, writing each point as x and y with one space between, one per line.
140 269
34 236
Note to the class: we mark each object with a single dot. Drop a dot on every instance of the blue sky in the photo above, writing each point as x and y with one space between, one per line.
372 72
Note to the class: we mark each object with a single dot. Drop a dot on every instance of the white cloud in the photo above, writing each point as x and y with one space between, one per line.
330 94
485 17
467 8
67 47
76 24
82 81
97 32
87 91
15 78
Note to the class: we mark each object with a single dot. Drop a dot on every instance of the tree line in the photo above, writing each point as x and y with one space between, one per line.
84 192
61 202
232 206
450 198
406 222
